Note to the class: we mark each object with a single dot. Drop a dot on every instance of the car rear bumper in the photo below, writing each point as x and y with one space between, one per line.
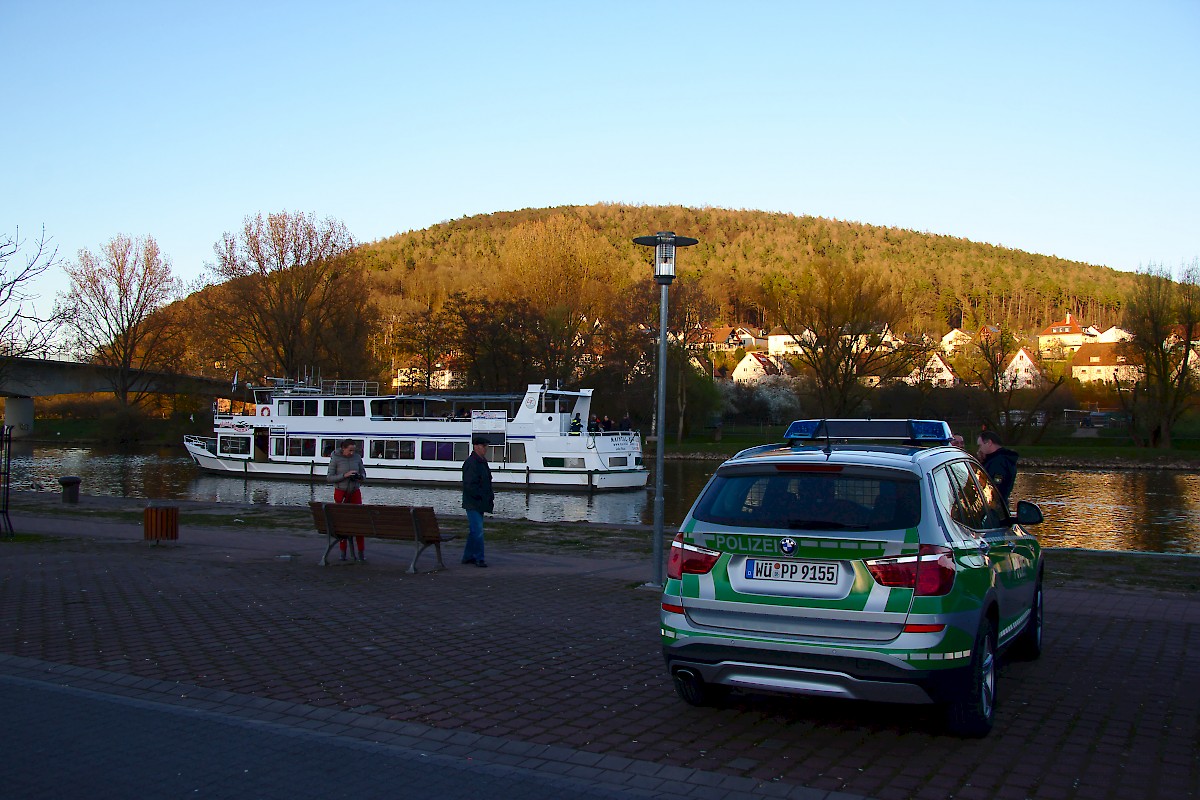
853 676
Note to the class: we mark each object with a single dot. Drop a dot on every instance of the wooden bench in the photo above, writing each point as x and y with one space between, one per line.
417 524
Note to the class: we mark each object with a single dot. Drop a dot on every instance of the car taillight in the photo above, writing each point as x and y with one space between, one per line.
929 573
689 558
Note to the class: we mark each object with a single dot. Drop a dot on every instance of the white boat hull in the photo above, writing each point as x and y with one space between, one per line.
503 477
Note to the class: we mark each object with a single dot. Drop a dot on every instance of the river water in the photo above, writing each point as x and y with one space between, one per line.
1154 511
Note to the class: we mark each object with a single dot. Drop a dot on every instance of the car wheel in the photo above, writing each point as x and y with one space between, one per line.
974 713
695 691
1028 644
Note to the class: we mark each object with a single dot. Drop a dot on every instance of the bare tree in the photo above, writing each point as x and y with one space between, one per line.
839 316
23 334
291 297
1163 315
111 309
688 311
1010 405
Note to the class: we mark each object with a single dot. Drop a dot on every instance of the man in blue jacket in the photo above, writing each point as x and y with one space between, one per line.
477 499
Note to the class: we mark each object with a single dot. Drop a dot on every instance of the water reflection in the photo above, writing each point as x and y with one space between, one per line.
1114 510
1120 510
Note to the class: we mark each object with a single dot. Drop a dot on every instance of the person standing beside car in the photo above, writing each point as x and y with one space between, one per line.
346 473
477 499
999 462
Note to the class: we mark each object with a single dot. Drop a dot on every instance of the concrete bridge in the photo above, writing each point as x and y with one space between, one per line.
22 379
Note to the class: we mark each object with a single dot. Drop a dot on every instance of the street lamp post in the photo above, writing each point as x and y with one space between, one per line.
664 244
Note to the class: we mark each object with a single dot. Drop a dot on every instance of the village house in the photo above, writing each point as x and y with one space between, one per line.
1061 339
1114 334
877 336
730 337
936 372
705 365
782 343
1104 362
756 366
1022 372
412 378
955 340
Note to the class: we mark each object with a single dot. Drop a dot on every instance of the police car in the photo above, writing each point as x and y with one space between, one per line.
861 559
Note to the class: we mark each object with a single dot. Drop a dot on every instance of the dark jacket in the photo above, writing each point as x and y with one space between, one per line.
1001 467
477 484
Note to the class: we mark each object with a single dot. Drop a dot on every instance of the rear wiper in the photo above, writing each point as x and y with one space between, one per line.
823 525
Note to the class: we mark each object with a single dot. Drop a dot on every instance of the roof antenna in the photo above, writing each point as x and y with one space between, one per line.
828 449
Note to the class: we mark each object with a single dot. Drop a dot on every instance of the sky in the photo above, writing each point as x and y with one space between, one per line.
1060 128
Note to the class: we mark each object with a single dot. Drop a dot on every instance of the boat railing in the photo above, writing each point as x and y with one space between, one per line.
209 443
354 388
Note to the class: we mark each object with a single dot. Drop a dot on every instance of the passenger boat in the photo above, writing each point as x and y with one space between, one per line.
289 429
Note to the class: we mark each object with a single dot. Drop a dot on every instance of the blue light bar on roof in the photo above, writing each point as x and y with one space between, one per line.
803 429
915 431
929 430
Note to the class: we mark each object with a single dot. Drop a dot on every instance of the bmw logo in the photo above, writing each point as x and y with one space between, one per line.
787 545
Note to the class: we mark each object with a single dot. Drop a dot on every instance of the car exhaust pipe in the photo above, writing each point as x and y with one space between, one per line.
691 687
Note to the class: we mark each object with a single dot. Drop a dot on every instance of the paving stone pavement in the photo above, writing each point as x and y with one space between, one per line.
553 662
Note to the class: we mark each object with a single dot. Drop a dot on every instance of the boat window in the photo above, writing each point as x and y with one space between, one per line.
393 449
432 450
619 461
235 445
297 408
385 408
569 463
295 446
516 453
329 445
345 408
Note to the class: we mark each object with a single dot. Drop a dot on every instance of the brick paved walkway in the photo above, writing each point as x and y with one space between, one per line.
564 652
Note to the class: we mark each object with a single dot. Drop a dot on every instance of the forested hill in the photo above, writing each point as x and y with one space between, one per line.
944 281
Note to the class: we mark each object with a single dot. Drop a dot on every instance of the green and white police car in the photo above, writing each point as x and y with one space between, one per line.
862 559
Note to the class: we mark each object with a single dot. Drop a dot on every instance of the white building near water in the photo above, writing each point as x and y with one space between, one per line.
936 372
782 343
756 366
1104 362
1022 372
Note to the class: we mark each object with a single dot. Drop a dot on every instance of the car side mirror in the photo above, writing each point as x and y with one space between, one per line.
1029 513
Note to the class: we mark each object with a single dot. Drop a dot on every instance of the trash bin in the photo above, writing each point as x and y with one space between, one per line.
160 523
70 488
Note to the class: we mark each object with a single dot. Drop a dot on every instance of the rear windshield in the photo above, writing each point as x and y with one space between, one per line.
811 501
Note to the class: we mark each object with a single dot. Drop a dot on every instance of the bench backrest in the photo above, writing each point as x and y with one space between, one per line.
318 512
396 520
427 524
352 519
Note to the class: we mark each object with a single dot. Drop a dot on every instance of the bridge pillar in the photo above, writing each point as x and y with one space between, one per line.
18 412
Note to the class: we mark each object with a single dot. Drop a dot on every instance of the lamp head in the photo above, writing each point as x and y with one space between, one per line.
664 244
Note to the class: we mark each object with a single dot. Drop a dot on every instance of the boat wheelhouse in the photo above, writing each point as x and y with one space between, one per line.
290 428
